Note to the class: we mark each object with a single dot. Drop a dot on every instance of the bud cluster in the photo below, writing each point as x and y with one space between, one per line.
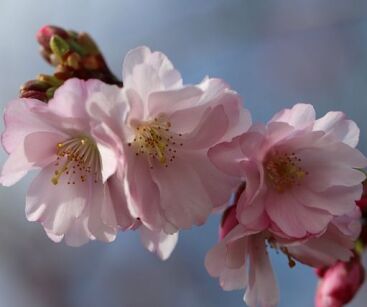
74 55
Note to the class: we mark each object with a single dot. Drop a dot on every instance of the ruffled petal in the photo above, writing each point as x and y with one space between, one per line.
21 118
69 99
211 129
298 222
39 149
147 72
173 100
55 206
300 116
338 126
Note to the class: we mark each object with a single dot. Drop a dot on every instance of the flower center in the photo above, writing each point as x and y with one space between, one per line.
155 140
283 172
78 158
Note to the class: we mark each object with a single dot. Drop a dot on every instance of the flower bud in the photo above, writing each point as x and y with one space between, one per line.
45 34
59 47
340 283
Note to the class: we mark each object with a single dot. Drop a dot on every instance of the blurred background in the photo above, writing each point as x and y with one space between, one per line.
274 53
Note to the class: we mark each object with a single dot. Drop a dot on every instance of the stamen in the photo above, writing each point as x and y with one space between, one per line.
155 140
283 170
81 155
291 262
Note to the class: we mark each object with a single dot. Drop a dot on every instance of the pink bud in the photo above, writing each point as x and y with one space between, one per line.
340 283
46 32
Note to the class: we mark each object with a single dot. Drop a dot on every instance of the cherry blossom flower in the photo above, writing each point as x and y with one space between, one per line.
77 194
240 260
300 172
169 181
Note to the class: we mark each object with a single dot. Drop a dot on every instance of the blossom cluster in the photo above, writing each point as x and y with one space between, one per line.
158 156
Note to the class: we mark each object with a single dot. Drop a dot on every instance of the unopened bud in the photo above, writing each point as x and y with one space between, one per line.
59 47
45 34
42 96
73 61
340 283
34 85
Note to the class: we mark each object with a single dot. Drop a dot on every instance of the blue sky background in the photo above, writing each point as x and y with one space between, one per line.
274 53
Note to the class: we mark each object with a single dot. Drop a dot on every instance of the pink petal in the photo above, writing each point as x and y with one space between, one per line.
211 129
349 224
147 72
20 120
15 167
252 215
219 186
157 60
102 222
300 116
144 81
251 144
173 100
325 250
158 242
69 99
216 92
336 124
215 259
137 107
236 253
120 211
40 147
278 132
339 152
182 196
227 156
293 218
233 279
55 206
133 58
336 200
108 161
108 106
143 192
77 235
262 287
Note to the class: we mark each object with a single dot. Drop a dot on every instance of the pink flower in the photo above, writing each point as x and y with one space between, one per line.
340 283
77 195
169 180
300 172
240 260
